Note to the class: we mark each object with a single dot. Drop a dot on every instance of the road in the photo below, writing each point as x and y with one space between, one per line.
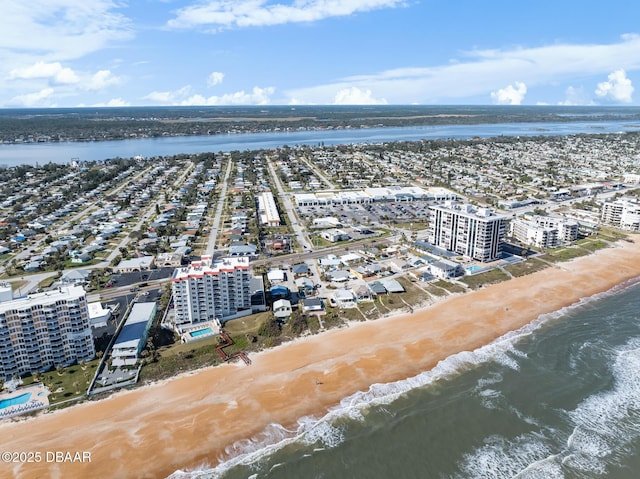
215 227
286 203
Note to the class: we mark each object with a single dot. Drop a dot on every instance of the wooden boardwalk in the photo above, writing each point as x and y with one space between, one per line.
227 341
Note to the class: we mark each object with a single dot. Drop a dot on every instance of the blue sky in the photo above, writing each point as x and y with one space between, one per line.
69 53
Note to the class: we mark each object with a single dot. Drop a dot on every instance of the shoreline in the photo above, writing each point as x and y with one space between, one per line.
190 420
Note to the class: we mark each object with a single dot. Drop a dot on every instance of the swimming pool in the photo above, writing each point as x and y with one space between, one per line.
200 332
15 401
474 268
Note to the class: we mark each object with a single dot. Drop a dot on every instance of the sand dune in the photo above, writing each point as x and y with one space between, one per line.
154 430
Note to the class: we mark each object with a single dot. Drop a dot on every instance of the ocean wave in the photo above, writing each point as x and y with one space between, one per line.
605 423
604 427
327 432
502 458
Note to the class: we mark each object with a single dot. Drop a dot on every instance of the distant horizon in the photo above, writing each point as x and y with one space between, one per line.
324 106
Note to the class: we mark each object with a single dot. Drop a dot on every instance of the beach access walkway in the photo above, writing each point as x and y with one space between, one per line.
227 341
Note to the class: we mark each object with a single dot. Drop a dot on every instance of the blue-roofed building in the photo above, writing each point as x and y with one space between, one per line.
133 336
279 292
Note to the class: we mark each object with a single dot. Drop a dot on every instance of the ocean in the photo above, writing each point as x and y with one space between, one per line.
559 398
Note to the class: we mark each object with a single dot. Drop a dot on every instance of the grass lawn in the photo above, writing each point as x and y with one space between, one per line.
45 283
417 225
332 319
412 295
246 325
16 285
564 254
180 358
523 268
391 302
71 383
593 244
435 290
450 287
69 264
369 310
609 234
489 277
351 314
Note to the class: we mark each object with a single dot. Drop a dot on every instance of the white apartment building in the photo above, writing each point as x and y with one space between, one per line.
534 234
208 290
631 178
544 231
623 213
472 232
44 330
567 228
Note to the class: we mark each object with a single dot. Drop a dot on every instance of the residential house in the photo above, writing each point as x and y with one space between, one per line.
300 269
282 308
313 306
445 269
345 298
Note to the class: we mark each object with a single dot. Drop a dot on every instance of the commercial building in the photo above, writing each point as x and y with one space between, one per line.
133 336
143 263
466 230
371 195
44 330
267 209
209 289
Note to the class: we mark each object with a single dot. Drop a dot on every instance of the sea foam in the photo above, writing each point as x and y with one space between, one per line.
604 427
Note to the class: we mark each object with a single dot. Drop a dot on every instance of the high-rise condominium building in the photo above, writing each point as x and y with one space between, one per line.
468 231
208 290
41 331
623 212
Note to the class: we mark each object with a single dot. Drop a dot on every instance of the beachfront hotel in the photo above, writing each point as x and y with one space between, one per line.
43 330
208 290
472 232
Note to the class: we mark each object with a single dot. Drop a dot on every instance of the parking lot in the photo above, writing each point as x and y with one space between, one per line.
128 279
369 214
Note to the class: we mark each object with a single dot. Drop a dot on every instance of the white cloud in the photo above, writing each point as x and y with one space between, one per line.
617 88
575 96
483 72
356 96
59 29
257 96
32 99
509 95
101 80
42 70
168 97
113 102
183 97
39 39
250 13
215 78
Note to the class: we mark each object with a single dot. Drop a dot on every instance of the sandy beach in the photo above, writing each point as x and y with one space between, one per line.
179 424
